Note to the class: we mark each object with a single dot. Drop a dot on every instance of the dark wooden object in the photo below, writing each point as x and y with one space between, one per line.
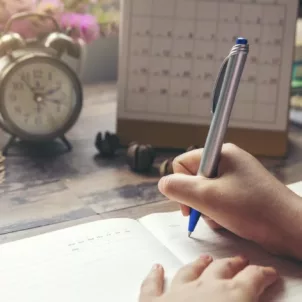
107 144
140 158
166 167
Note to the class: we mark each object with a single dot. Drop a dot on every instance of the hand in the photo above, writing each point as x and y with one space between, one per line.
245 199
205 280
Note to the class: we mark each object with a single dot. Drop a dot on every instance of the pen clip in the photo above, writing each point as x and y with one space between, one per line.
218 83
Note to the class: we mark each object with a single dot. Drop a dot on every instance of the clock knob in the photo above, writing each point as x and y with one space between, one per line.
10 42
61 43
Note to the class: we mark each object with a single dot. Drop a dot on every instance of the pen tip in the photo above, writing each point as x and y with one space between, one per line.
189 234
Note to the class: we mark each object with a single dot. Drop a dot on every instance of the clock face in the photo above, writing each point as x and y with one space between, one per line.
39 96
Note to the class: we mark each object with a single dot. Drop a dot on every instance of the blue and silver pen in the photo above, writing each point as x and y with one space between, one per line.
224 95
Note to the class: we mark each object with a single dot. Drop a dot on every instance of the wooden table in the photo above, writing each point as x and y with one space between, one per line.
48 189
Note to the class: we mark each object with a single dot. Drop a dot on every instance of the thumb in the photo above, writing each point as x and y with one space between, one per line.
193 191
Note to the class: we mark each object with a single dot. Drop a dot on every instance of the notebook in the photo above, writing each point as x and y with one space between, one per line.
107 260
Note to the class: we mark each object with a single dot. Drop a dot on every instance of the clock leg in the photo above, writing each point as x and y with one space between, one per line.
8 145
66 142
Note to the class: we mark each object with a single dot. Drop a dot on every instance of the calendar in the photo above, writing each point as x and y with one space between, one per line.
170 55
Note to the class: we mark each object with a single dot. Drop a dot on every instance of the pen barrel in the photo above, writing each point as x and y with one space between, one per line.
222 113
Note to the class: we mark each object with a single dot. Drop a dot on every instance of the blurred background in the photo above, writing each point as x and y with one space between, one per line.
41 186
95 21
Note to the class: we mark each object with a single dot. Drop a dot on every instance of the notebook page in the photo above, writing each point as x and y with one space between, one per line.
296 187
171 230
99 261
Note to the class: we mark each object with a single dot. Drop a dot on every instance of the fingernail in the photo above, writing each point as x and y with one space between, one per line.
206 257
270 272
243 258
156 267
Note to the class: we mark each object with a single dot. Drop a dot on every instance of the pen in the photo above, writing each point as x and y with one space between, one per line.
224 94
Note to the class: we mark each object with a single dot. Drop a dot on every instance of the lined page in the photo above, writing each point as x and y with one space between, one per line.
171 230
98 261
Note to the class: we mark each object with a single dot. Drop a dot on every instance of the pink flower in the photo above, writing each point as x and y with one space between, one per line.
82 26
78 22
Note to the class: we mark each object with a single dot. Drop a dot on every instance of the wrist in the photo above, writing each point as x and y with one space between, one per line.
290 227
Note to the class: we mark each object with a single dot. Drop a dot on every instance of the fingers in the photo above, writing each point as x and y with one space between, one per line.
188 162
185 210
153 284
191 271
231 158
256 279
185 189
225 268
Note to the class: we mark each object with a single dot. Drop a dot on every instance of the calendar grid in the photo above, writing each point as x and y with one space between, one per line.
279 71
169 103
149 96
177 47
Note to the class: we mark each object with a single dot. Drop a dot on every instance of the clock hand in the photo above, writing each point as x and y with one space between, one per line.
56 101
29 86
51 91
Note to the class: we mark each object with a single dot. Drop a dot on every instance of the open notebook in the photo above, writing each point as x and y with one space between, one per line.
107 260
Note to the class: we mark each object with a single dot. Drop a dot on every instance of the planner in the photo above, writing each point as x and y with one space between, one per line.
107 260
170 55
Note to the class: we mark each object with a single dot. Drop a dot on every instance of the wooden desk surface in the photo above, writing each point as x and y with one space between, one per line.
47 189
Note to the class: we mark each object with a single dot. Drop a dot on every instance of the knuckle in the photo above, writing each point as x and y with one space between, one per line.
178 163
230 264
230 148
230 155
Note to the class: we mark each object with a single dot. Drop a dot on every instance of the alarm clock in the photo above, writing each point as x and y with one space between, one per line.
40 95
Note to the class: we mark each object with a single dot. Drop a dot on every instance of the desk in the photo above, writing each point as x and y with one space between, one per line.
46 189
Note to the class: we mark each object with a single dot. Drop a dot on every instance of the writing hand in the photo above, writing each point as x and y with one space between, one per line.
245 199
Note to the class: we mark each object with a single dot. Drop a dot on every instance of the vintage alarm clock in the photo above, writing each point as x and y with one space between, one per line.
40 95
